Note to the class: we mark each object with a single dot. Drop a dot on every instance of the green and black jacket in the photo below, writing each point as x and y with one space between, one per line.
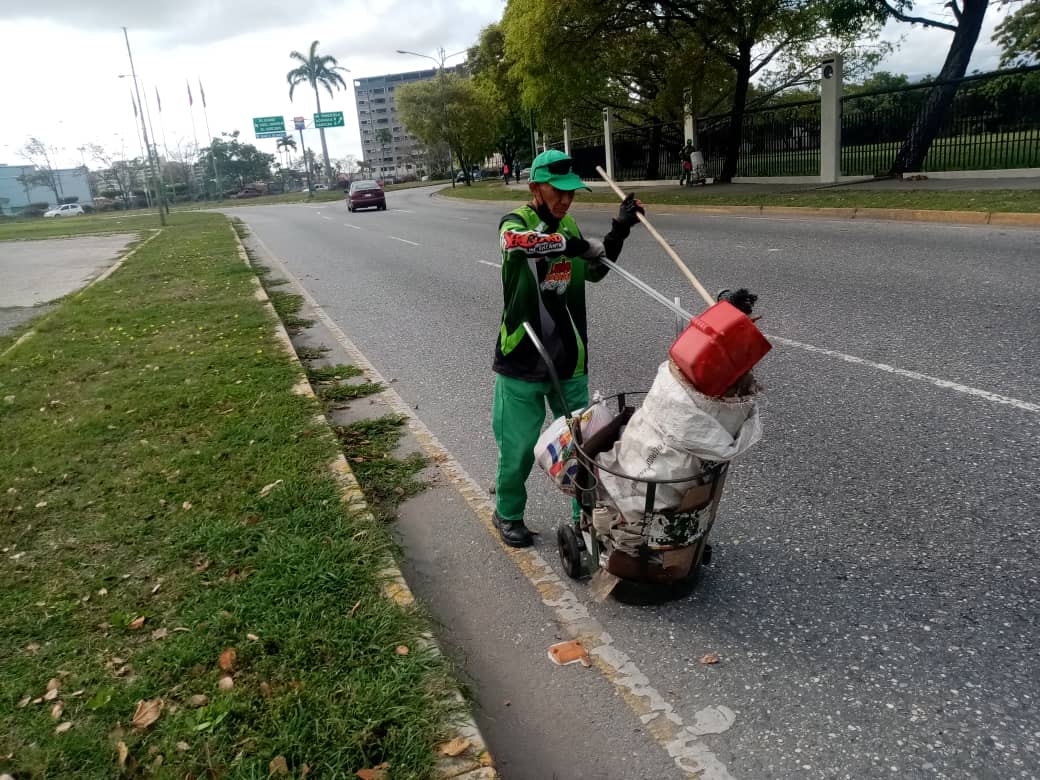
547 289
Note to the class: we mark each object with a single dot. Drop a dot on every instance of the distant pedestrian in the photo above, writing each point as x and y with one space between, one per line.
516 172
505 173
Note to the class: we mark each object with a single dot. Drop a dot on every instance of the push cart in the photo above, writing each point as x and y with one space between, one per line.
672 544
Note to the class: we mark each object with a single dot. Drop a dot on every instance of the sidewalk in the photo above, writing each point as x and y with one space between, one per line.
957 184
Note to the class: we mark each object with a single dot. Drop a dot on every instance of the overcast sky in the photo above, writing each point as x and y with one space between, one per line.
62 60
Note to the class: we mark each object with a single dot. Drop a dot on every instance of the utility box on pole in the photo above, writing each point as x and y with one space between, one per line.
567 137
830 119
608 140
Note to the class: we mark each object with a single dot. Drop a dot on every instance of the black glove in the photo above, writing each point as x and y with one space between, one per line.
576 247
627 213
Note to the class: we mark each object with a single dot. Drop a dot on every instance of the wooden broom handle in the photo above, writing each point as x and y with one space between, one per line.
664 244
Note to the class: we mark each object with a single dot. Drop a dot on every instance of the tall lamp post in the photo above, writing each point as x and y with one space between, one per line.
144 132
440 72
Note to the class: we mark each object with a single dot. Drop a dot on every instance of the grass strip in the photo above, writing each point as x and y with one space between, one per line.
939 200
386 481
165 499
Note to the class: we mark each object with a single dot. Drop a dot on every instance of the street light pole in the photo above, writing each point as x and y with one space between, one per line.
144 131
440 74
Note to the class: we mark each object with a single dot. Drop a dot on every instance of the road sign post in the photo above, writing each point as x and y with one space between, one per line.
269 126
329 119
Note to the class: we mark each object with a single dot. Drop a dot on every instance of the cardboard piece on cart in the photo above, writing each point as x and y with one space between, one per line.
602 584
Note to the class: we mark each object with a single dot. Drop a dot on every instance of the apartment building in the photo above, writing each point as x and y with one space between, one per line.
376 110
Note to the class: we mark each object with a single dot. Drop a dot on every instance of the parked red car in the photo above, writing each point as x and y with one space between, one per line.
366 194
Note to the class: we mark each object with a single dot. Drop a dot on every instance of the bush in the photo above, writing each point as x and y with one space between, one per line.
35 210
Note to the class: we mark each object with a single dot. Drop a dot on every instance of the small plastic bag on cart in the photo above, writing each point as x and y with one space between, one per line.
555 454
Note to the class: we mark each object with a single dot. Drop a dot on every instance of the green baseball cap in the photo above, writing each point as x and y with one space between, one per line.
556 168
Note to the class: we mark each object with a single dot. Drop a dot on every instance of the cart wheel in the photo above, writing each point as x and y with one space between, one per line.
570 551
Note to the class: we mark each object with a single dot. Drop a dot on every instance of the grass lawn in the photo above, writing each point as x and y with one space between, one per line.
982 200
184 594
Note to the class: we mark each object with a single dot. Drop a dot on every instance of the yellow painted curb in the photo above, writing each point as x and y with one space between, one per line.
825 212
925 215
475 762
1017 219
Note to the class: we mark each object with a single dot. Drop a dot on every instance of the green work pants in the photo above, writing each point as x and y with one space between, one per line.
518 414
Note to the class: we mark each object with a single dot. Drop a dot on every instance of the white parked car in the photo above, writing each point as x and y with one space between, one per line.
65 210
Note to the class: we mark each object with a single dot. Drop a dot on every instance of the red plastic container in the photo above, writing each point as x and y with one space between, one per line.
718 347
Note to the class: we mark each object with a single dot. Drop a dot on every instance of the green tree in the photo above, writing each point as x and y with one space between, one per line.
317 70
968 16
449 109
238 162
1019 34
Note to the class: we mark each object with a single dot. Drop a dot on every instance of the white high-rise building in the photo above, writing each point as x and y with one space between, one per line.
376 110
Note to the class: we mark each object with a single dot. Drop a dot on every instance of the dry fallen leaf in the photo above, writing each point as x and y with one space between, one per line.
63 727
226 683
402 650
455 748
268 488
25 702
32 647
265 689
51 695
710 658
278 767
186 505
375 773
183 746
227 659
136 623
102 591
53 684
156 588
305 770
147 713
252 637
160 633
123 751
56 710
198 700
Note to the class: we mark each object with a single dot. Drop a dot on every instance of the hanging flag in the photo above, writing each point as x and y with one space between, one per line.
191 101
158 102
202 93
134 104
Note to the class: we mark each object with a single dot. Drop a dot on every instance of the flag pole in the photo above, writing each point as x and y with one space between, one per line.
144 132
216 168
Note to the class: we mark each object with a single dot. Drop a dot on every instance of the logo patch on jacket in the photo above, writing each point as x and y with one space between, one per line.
558 277
533 242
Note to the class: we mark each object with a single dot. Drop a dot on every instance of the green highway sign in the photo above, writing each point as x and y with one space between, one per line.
269 126
329 119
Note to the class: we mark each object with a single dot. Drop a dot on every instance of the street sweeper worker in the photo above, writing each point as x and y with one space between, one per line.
545 264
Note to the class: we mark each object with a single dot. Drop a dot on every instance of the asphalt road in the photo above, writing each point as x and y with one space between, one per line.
874 593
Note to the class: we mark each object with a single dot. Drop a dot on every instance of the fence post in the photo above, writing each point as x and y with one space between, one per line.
567 137
608 140
689 120
830 119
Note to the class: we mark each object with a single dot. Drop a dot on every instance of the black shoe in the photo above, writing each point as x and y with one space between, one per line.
513 533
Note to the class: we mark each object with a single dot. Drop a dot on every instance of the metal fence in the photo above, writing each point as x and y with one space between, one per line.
776 141
993 123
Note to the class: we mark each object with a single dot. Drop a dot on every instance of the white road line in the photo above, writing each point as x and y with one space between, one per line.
324 217
356 227
771 249
944 383
493 265
403 211
404 241
681 741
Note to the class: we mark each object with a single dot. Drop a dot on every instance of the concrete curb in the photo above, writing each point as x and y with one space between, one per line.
1002 218
100 278
476 762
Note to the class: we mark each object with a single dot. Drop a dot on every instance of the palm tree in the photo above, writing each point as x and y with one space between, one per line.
316 69
384 137
285 143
